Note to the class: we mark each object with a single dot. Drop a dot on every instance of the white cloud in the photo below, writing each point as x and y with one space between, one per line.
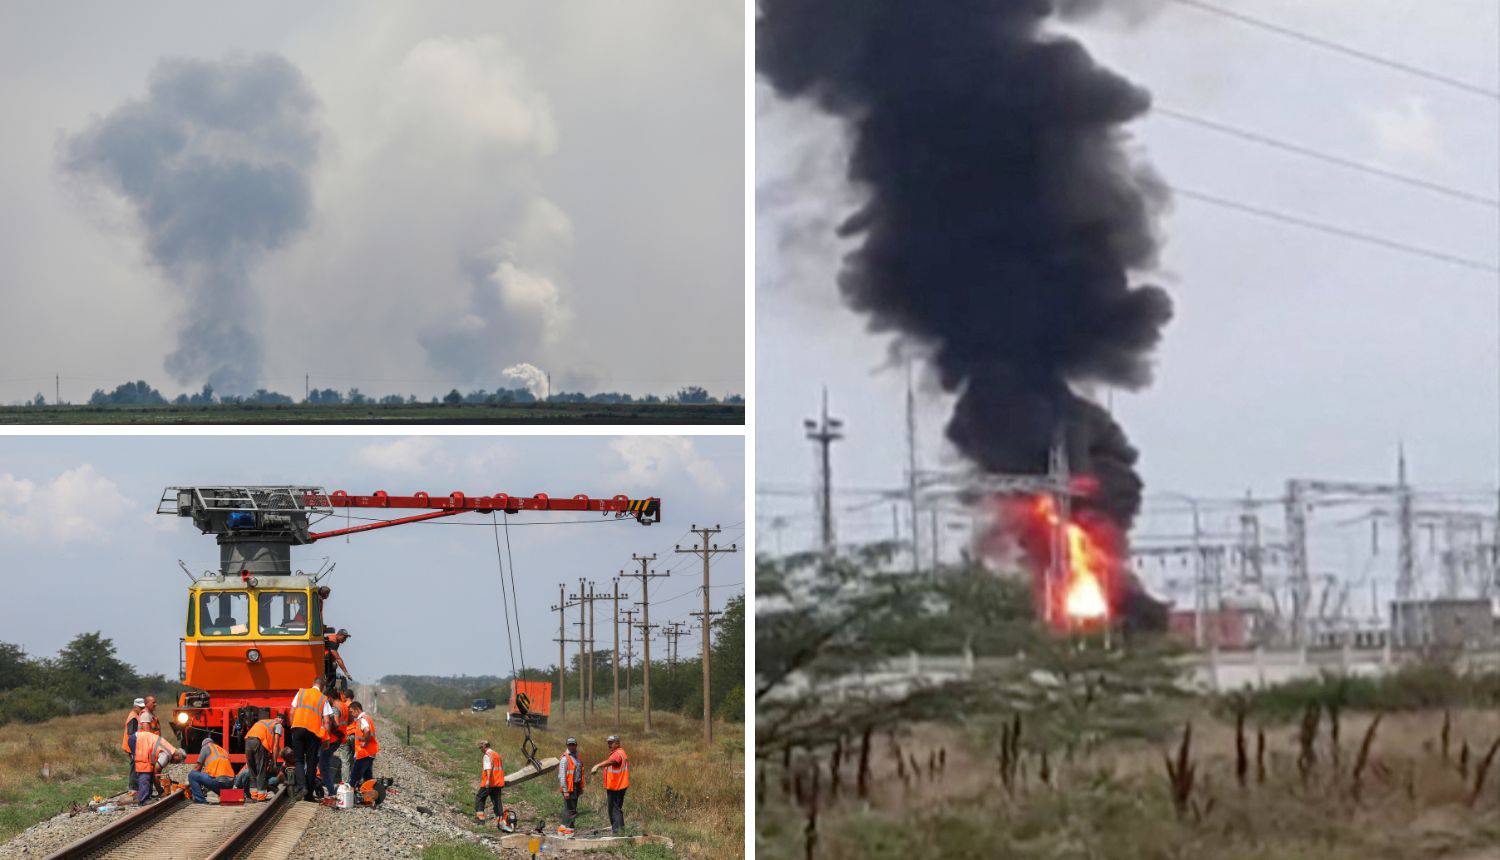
77 506
411 455
476 87
649 460
1406 129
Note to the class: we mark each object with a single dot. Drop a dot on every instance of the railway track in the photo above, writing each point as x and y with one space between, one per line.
174 828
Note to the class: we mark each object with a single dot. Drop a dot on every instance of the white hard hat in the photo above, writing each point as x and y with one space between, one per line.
140 703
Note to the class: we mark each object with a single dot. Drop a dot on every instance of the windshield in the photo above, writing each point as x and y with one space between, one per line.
282 613
224 613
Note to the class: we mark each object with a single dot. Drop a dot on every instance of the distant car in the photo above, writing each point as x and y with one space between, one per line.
481 705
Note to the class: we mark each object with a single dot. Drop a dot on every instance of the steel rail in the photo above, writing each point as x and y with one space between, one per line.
147 816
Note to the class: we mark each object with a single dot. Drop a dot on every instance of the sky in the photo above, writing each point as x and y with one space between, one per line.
83 548
395 197
1291 353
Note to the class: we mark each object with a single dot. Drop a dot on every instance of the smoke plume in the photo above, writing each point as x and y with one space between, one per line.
214 162
529 375
1003 216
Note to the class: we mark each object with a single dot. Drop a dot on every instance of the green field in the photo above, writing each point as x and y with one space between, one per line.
414 413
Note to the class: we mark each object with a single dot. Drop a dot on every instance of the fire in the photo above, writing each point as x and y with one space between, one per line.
1084 598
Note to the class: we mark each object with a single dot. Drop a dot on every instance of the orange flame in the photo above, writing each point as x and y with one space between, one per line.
1083 595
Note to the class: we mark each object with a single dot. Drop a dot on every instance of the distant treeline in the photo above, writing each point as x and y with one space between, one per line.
674 687
139 393
84 678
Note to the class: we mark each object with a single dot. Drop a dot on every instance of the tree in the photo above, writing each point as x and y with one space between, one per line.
90 659
453 398
15 669
39 400
692 394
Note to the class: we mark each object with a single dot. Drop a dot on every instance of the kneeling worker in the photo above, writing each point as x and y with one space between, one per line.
152 753
491 781
616 780
365 745
263 744
212 773
570 783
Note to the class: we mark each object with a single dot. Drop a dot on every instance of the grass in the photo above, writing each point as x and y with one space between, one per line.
1114 802
679 789
417 413
80 756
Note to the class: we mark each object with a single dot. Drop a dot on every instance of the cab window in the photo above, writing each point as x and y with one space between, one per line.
282 613
192 620
224 613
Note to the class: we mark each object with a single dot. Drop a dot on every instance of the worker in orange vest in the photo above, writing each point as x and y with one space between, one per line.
127 740
616 780
214 772
152 753
263 745
330 765
311 717
570 783
362 730
332 662
491 781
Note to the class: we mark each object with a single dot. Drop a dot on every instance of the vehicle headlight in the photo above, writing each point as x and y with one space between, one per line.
253 655
182 718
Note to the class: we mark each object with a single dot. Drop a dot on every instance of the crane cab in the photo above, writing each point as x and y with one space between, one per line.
249 644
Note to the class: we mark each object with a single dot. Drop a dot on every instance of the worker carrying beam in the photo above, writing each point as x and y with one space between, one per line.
570 784
213 772
491 781
311 715
365 745
152 753
616 780
142 716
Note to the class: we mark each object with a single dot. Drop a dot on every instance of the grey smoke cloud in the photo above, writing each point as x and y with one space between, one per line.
214 161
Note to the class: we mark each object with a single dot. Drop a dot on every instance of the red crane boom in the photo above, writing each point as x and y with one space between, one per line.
646 511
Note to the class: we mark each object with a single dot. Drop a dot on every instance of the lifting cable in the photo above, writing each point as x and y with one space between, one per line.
509 603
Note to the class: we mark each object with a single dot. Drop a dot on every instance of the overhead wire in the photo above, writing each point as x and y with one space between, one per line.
504 598
1341 48
1331 158
1336 230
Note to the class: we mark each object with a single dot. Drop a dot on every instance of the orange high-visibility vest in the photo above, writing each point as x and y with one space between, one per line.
492 770
125 732
365 744
617 770
217 762
340 720
570 774
147 746
307 710
266 732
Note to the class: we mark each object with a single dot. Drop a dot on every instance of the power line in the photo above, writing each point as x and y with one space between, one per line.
1309 152
1341 48
1336 230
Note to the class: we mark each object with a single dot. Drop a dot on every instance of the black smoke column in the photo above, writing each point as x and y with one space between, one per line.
1003 215
215 162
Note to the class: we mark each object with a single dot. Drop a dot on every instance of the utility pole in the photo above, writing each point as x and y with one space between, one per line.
645 576
673 632
562 643
306 387
57 389
591 649
614 656
825 432
707 552
629 654
581 601
911 471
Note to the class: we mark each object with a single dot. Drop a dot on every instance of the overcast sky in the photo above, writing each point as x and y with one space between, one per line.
1291 354
83 549
431 193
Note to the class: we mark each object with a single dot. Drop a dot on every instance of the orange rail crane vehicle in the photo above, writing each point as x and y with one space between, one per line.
254 629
